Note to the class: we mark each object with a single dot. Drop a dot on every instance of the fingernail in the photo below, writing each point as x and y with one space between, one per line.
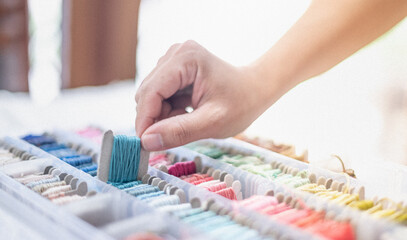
152 142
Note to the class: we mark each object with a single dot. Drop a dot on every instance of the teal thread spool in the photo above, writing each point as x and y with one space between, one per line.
122 159
125 159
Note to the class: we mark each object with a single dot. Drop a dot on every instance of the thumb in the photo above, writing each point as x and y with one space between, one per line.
181 129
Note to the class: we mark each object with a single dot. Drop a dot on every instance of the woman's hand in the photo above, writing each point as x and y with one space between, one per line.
226 99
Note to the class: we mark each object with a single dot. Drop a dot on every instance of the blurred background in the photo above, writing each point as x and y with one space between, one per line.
51 51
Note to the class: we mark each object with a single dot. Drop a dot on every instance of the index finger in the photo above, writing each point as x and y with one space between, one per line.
164 83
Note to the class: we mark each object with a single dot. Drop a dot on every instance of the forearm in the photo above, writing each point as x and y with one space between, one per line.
327 33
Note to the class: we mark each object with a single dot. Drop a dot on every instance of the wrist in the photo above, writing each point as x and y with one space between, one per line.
272 79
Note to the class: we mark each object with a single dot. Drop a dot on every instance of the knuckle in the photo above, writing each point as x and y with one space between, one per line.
191 44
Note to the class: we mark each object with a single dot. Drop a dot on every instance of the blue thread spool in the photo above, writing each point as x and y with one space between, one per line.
43 181
126 185
52 146
125 159
38 140
77 160
92 167
63 152
151 195
143 190
164 200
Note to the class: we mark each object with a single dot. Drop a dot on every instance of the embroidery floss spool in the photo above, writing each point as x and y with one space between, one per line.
306 219
161 159
58 187
65 153
287 176
67 199
122 159
217 226
9 155
93 133
182 168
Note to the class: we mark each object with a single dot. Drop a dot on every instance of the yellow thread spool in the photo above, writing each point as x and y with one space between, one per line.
362 205
374 209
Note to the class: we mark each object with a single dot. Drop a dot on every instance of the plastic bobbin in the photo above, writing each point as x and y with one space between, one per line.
206 205
237 187
62 176
321 181
205 169
228 179
361 193
73 183
288 199
167 188
341 187
222 176
55 172
312 178
81 190
198 164
335 185
280 197
150 180
161 185
163 168
181 195
68 179
91 193
210 171
269 193
195 203
216 174
47 169
156 181
172 157
328 183
105 156
216 208
224 211
145 178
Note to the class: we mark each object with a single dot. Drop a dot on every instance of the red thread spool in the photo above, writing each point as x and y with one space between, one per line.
182 168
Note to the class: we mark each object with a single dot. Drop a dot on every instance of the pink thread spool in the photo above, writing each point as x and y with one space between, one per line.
160 159
194 177
216 187
91 133
197 182
182 168
271 210
227 193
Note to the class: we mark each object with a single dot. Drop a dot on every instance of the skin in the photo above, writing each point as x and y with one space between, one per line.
226 99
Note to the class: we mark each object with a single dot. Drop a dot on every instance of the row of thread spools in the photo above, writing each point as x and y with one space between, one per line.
62 188
52 184
323 188
213 180
277 173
